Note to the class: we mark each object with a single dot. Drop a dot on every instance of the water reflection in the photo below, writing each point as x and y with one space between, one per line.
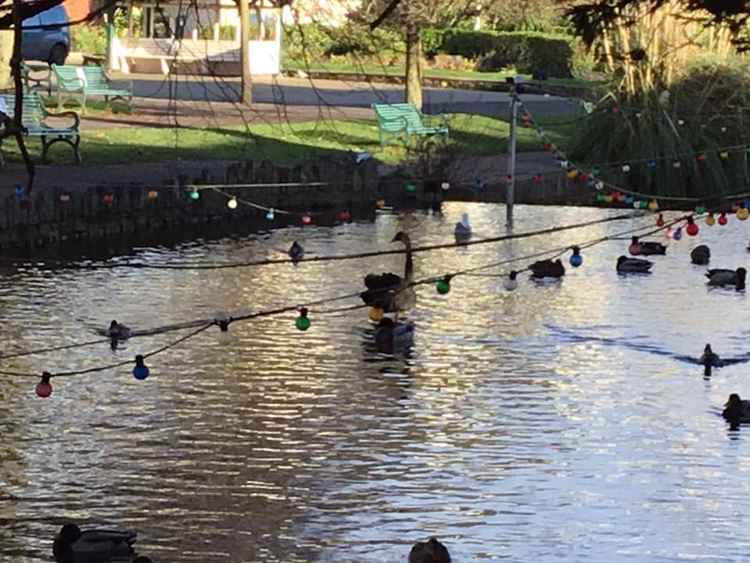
564 421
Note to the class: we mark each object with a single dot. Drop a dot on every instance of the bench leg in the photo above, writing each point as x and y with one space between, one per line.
45 148
77 149
75 144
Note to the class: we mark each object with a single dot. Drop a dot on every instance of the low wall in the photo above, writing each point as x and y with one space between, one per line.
149 199
146 200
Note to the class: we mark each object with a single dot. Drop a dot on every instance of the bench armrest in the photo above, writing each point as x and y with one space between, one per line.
111 81
400 118
73 114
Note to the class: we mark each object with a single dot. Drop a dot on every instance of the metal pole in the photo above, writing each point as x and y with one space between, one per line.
512 158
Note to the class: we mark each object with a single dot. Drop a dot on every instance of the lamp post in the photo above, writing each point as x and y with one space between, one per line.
510 193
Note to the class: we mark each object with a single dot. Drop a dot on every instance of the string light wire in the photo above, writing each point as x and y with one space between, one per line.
205 325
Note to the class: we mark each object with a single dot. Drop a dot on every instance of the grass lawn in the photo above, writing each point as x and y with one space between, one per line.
346 67
470 135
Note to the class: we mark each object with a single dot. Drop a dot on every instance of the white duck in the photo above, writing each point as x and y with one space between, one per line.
463 228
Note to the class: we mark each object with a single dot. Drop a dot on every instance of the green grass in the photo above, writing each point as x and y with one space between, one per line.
470 135
345 67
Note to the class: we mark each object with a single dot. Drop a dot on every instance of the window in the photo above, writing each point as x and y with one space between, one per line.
262 25
163 27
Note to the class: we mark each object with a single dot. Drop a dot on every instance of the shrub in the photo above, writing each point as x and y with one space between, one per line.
528 52
700 114
305 42
432 41
90 39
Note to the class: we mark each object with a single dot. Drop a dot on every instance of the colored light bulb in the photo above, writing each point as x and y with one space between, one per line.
140 371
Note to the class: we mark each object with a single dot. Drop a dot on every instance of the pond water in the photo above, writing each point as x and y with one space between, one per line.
556 422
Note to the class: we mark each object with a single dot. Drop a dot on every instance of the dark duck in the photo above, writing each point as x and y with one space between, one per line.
430 551
72 545
627 265
645 247
700 255
736 410
547 269
296 252
709 360
723 278
389 291
117 331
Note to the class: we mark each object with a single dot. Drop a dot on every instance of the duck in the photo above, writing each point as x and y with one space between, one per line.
463 229
391 292
709 359
627 265
736 410
72 545
391 336
720 277
431 551
117 331
296 252
645 247
700 255
547 269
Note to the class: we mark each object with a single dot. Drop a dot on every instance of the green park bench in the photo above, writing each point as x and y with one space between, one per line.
34 120
85 81
398 119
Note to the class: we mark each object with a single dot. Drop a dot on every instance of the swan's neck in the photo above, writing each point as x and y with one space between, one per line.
409 266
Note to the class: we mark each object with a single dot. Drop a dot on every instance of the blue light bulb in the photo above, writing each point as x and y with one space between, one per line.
140 371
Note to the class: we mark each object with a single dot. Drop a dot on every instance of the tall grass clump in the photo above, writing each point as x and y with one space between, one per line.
677 103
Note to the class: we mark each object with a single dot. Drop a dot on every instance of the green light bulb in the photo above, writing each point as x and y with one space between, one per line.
443 287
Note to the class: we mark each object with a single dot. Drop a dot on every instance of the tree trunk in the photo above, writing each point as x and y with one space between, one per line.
6 51
246 95
414 65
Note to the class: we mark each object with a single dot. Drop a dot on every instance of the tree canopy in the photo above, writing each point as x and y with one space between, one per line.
591 18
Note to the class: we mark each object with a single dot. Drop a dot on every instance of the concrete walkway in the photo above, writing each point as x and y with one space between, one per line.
304 92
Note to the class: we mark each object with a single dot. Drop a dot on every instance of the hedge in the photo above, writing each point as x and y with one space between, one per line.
529 52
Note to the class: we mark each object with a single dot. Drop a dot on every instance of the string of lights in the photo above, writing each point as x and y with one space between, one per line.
302 322
622 194
272 261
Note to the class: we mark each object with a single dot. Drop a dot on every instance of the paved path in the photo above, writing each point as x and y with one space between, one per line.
340 94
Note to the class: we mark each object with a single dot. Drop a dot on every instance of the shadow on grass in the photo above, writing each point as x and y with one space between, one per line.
470 135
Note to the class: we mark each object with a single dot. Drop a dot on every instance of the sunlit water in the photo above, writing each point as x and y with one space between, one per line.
557 422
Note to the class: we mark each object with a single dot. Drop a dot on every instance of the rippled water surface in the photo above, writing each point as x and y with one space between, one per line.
557 422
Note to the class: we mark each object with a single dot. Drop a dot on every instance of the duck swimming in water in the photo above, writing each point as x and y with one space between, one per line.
645 247
463 229
547 269
627 265
700 255
722 278
72 545
117 331
431 551
708 360
296 252
736 410
389 291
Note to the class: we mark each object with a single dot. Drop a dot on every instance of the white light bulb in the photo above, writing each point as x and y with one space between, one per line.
232 203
